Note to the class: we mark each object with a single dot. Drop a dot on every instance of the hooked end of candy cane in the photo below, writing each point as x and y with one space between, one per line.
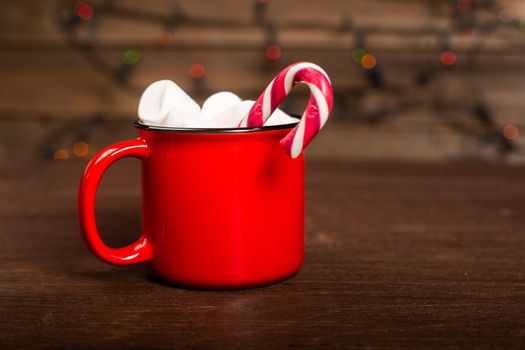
293 152
294 155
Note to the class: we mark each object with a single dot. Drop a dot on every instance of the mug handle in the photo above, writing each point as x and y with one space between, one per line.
133 253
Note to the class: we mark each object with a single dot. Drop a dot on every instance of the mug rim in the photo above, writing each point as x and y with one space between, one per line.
141 126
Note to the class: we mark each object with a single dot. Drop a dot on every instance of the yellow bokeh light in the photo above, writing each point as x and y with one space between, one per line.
80 149
368 61
511 132
61 154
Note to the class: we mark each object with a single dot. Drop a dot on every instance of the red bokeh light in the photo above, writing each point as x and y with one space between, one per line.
197 70
84 11
464 5
448 58
273 52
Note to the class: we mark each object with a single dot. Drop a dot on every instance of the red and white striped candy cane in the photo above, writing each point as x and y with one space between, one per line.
317 110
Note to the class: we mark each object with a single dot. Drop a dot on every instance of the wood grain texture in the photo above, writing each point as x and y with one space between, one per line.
397 256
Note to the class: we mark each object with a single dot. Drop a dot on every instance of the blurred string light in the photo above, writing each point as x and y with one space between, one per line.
504 136
132 56
357 54
484 116
425 76
177 15
259 11
92 30
273 50
506 15
463 18
464 5
511 132
347 22
80 149
448 58
80 12
84 11
61 154
374 74
165 38
129 59
368 61
197 71
360 55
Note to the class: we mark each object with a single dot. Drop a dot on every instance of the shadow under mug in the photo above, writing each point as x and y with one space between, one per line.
221 208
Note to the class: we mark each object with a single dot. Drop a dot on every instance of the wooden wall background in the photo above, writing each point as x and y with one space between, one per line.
50 97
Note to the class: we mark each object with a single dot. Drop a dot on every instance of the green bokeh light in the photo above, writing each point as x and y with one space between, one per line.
131 56
357 54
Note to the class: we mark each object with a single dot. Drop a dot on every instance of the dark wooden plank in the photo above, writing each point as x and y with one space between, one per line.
397 256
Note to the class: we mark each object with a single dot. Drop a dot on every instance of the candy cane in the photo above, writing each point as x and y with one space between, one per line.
317 110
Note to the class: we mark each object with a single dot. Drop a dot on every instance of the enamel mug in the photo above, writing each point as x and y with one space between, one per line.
221 208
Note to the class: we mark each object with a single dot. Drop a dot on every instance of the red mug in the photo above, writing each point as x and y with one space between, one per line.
221 208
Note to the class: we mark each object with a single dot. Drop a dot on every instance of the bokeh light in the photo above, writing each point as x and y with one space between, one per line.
132 56
84 11
273 52
197 70
448 58
511 132
357 54
506 15
61 154
165 38
368 61
80 149
464 5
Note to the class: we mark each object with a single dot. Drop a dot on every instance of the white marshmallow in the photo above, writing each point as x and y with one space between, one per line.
176 118
278 117
160 98
201 123
218 103
231 117
164 103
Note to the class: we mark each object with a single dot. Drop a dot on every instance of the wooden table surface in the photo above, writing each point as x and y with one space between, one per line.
397 256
